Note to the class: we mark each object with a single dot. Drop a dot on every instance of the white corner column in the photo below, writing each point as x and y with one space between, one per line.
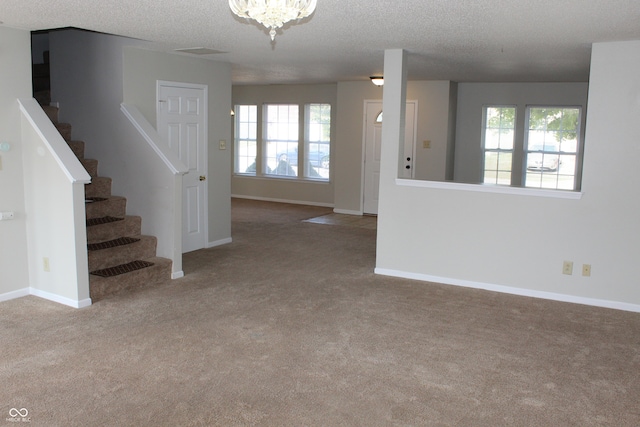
394 97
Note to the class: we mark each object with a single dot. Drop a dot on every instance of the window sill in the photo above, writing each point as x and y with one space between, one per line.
282 178
496 189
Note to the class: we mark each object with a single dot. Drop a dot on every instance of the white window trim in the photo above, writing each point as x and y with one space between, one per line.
577 177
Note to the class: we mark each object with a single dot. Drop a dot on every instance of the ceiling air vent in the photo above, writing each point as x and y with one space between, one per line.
199 51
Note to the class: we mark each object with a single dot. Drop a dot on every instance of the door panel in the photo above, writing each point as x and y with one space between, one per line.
373 145
181 118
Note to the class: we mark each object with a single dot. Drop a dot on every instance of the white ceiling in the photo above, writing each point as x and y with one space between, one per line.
344 40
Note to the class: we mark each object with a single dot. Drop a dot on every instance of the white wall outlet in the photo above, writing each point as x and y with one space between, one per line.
45 264
426 143
567 267
223 144
586 270
6 215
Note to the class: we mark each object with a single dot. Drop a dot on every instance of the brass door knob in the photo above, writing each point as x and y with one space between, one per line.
202 177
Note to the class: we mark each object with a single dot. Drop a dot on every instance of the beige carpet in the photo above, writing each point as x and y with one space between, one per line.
287 326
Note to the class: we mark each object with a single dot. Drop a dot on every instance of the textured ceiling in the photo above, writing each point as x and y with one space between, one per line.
459 40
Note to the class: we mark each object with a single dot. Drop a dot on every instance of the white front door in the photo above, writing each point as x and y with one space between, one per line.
373 144
182 120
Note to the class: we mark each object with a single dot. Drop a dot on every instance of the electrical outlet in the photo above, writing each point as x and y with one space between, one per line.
223 144
45 264
586 270
426 144
567 267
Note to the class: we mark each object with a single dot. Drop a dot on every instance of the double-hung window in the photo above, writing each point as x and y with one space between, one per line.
246 142
317 147
281 139
545 154
551 147
498 144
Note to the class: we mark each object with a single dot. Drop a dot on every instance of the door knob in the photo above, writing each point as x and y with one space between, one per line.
407 167
202 177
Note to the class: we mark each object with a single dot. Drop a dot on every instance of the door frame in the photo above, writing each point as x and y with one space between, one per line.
205 150
364 143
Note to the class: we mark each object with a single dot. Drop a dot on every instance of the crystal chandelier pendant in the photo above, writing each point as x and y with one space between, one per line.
273 14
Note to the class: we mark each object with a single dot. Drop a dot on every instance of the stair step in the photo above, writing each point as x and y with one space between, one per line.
78 148
100 186
157 274
65 130
122 269
91 166
124 226
108 230
112 206
143 248
51 112
114 243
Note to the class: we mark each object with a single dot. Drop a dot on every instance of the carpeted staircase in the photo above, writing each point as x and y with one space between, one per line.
120 257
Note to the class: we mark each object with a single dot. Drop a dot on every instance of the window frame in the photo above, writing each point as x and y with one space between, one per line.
309 170
264 162
283 164
577 154
499 151
237 139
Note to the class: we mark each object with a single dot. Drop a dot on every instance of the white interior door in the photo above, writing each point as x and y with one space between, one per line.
182 120
373 144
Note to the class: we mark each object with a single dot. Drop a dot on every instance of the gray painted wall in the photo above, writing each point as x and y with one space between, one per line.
15 82
292 190
91 75
433 124
142 69
517 241
472 97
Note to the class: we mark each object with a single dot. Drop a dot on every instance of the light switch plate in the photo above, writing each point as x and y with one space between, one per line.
6 215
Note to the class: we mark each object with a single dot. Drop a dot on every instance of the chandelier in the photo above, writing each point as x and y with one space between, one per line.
273 14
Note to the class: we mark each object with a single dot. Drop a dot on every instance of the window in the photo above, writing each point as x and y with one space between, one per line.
281 140
293 141
551 147
318 141
498 142
245 139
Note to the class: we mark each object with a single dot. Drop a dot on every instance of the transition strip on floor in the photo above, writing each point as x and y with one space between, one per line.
360 221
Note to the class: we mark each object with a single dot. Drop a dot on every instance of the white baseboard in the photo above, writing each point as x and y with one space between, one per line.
347 212
177 274
45 295
511 290
219 242
14 294
292 202
60 299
